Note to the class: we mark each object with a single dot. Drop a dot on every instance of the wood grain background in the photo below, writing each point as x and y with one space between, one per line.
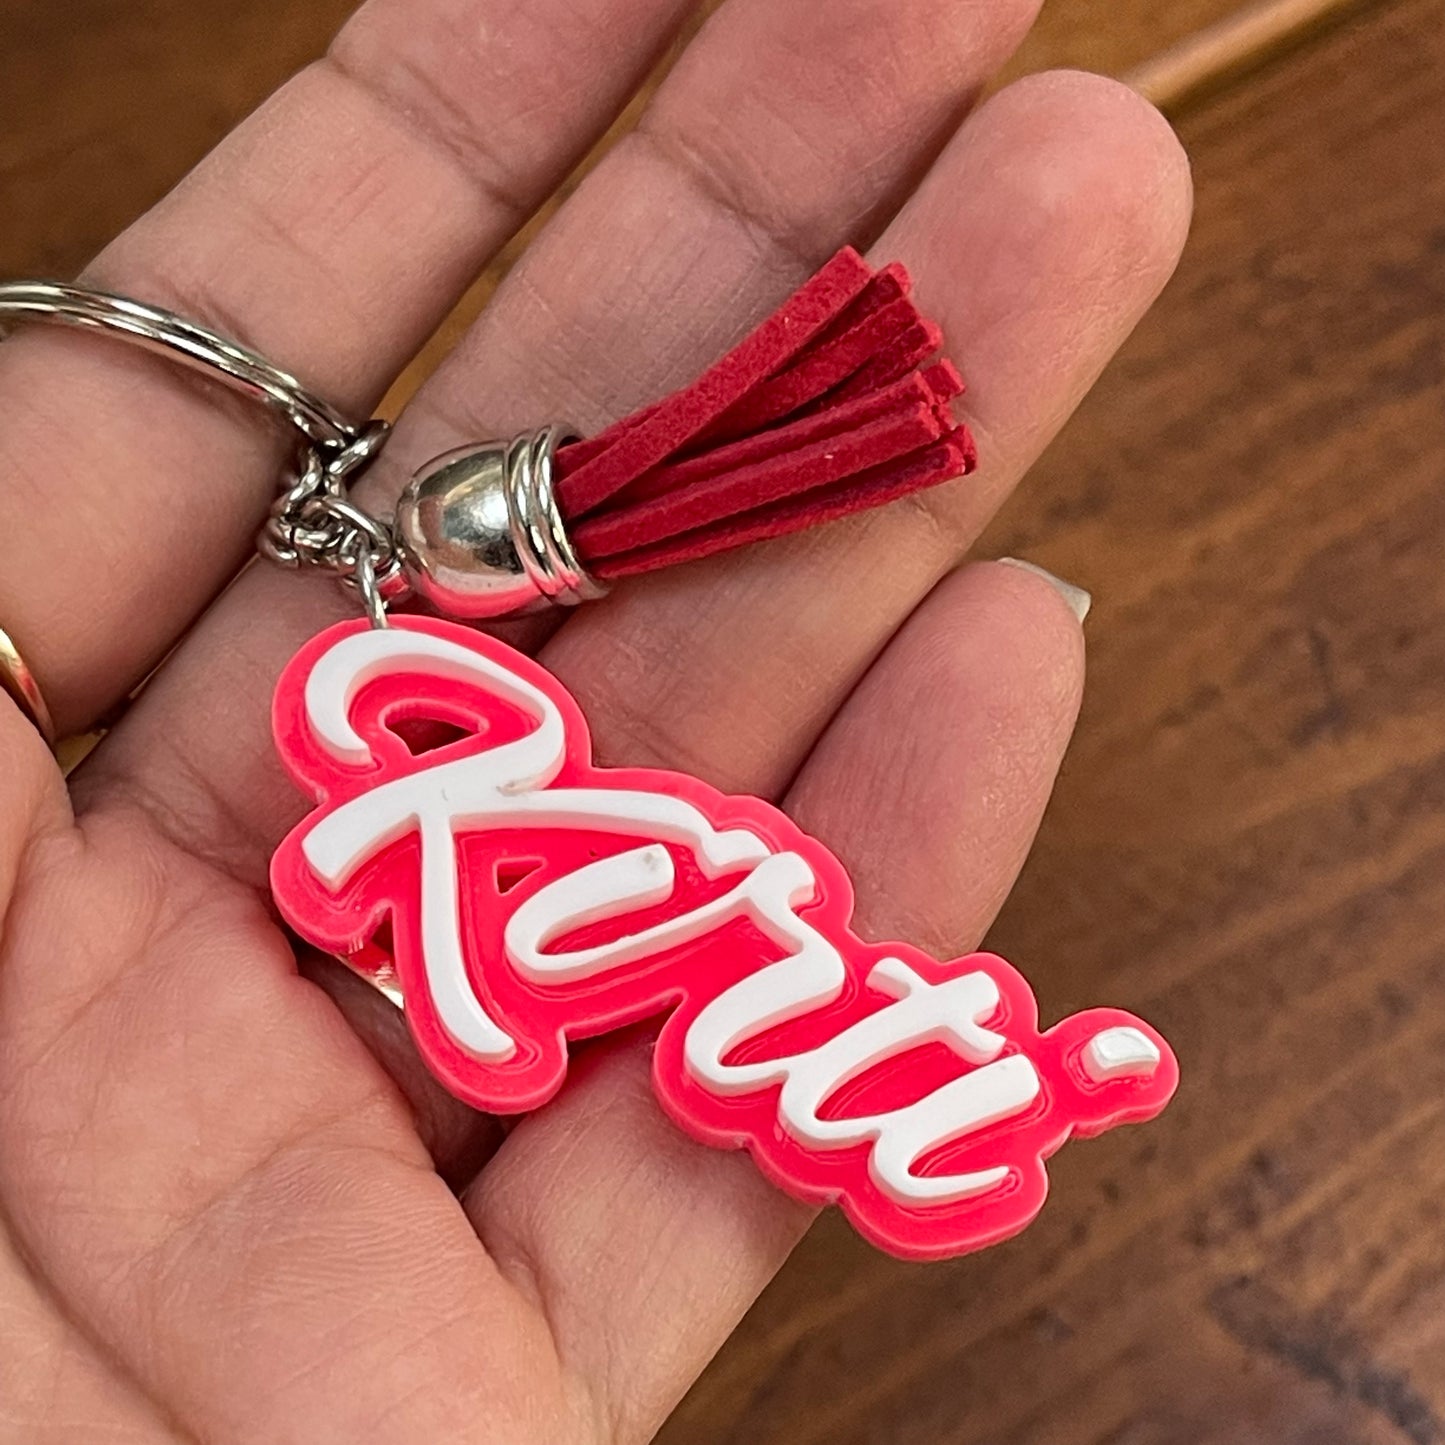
1248 842
106 103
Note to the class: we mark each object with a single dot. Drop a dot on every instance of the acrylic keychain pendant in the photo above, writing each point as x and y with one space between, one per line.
518 897
467 857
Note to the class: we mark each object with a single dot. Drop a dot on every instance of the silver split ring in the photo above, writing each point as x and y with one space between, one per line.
305 526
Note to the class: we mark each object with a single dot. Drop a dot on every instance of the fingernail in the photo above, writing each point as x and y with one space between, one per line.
1079 601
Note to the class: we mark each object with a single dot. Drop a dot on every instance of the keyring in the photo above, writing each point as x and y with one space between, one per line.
479 532
311 522
164 333
516 895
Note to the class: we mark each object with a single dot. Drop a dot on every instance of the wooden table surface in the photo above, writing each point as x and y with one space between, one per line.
1248 842
106 103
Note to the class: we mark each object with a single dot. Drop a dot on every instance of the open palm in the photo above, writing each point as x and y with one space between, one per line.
233 1207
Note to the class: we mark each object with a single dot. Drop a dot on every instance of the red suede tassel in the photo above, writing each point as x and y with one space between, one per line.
825 409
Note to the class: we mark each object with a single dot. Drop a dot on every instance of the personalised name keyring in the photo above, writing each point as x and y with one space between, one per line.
513 896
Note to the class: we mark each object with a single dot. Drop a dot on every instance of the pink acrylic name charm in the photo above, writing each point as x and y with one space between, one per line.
521 897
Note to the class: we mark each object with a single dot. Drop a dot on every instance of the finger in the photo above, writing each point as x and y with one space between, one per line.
1039 238
459 1139
33 800
44 1354
54 1385
219 1187
333 230
644 1248
784 130
651 266
750 168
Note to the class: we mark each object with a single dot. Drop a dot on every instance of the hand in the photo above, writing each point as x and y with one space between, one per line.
233 1208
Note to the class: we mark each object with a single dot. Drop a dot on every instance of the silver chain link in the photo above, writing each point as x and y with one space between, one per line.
313 523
